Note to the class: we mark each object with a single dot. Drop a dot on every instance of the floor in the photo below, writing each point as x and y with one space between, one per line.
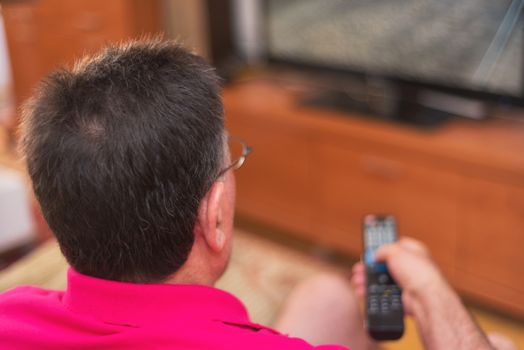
261 273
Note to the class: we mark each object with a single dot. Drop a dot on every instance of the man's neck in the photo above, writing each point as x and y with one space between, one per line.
189 275
199 269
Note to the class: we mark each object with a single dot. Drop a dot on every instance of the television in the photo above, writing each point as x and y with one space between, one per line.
415 60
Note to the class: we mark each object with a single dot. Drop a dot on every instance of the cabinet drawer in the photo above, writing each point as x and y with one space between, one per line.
351 182
492 239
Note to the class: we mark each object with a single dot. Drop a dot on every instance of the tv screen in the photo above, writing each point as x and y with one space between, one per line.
467 44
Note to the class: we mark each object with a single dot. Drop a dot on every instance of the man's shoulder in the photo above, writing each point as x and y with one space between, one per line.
24 295
27 290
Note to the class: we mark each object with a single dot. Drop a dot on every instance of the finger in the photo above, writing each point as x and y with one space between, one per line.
413 246
358 268
360 291
358 282
359 285
386 251
358 278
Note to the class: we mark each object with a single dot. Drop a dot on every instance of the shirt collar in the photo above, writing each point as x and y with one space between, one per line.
140 304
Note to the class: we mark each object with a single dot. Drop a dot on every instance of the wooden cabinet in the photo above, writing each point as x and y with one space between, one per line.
44 34
491 259
354 180
275 186
458 188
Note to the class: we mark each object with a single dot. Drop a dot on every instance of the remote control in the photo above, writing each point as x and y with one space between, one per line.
384 310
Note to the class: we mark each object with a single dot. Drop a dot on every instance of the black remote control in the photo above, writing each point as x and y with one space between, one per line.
384 311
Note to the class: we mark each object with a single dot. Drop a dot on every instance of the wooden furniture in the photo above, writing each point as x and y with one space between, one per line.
44 34
459 188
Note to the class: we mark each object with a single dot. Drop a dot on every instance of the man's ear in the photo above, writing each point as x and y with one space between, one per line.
210 217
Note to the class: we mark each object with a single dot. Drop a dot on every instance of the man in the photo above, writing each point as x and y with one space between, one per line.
130 163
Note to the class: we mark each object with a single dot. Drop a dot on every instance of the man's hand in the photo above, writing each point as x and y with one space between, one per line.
410 264
443 322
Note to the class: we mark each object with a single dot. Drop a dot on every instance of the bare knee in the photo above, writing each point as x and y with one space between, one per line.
327 283
328 291
323 309
501 342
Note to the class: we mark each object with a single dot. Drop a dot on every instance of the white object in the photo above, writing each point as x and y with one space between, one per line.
16 221
247 28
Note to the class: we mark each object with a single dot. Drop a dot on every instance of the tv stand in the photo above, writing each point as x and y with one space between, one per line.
374 107
340 101
459 188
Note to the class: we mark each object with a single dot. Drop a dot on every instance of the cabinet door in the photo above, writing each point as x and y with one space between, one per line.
491 246
273 186
45 34
352 181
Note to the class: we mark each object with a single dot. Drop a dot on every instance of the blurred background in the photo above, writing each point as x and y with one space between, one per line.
412 108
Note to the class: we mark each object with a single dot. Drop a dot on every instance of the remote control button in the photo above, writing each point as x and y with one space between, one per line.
381 268
383 278
373 288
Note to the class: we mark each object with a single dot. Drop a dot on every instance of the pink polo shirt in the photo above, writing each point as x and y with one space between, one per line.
99 314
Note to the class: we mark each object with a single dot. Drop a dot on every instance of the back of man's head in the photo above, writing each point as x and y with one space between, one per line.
121 149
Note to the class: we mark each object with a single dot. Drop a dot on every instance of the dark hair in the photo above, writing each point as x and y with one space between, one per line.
121 149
